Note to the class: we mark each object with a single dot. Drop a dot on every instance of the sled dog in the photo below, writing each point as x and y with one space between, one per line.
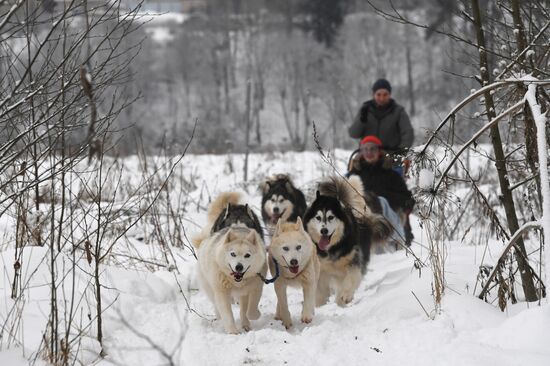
230 256
292 250
229 262
281 200
225 211
342 226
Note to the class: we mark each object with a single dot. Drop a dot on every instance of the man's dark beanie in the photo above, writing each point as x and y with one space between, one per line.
381 84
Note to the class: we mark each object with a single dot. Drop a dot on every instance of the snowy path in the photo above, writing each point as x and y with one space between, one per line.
384 325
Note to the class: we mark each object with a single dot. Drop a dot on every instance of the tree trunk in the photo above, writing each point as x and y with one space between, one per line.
410 85
530 128
286 117
247 120
258 106
218 84
305 103
500 162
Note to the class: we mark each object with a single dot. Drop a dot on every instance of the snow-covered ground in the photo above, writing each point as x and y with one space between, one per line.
155 315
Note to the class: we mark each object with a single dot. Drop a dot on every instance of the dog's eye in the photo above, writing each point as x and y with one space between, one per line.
330 218
247 255
318 218
285 249
298 247
281 200
233 254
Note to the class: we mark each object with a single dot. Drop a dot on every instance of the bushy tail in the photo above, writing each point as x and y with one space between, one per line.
348 191
214 210
220 203
380 228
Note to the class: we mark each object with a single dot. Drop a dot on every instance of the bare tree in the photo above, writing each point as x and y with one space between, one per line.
496 38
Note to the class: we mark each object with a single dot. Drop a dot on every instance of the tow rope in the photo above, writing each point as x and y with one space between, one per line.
266 281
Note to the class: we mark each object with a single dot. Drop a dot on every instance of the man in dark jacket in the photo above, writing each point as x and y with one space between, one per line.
384 118
378 177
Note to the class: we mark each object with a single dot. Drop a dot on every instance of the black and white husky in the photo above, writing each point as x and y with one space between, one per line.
228 210
281 200
342 226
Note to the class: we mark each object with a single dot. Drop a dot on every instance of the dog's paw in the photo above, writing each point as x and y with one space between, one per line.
245 323
321 302
231 330
287 323
253 314
344 299
307 318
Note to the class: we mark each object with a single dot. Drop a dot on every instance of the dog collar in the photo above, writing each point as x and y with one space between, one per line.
265 280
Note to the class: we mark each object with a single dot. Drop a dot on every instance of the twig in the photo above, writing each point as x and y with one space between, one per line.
422 306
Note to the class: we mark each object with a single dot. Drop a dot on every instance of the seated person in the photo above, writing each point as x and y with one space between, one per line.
378 177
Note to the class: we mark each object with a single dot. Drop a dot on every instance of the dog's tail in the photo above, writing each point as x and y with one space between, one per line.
214 210
220 204
380 228
348 191
367 210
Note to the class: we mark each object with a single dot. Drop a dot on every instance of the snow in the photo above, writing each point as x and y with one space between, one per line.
425 179
160 34
147 320
162 18
383 326
540 122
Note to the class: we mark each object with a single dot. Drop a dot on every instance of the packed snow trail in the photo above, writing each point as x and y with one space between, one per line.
384 325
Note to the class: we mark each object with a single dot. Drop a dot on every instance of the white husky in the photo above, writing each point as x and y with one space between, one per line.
229 261
299 266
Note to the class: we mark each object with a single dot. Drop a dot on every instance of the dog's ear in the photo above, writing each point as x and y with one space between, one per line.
289 187
265 186
230 236
318 194
277 227
299 225
251 237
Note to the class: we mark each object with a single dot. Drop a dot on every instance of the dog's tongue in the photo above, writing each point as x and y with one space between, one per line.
294 269
324 242
238 276
275 218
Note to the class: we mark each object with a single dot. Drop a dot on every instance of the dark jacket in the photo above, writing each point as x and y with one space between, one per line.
390 124
385 182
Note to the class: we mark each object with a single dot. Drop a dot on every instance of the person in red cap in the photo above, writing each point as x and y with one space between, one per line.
375 169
